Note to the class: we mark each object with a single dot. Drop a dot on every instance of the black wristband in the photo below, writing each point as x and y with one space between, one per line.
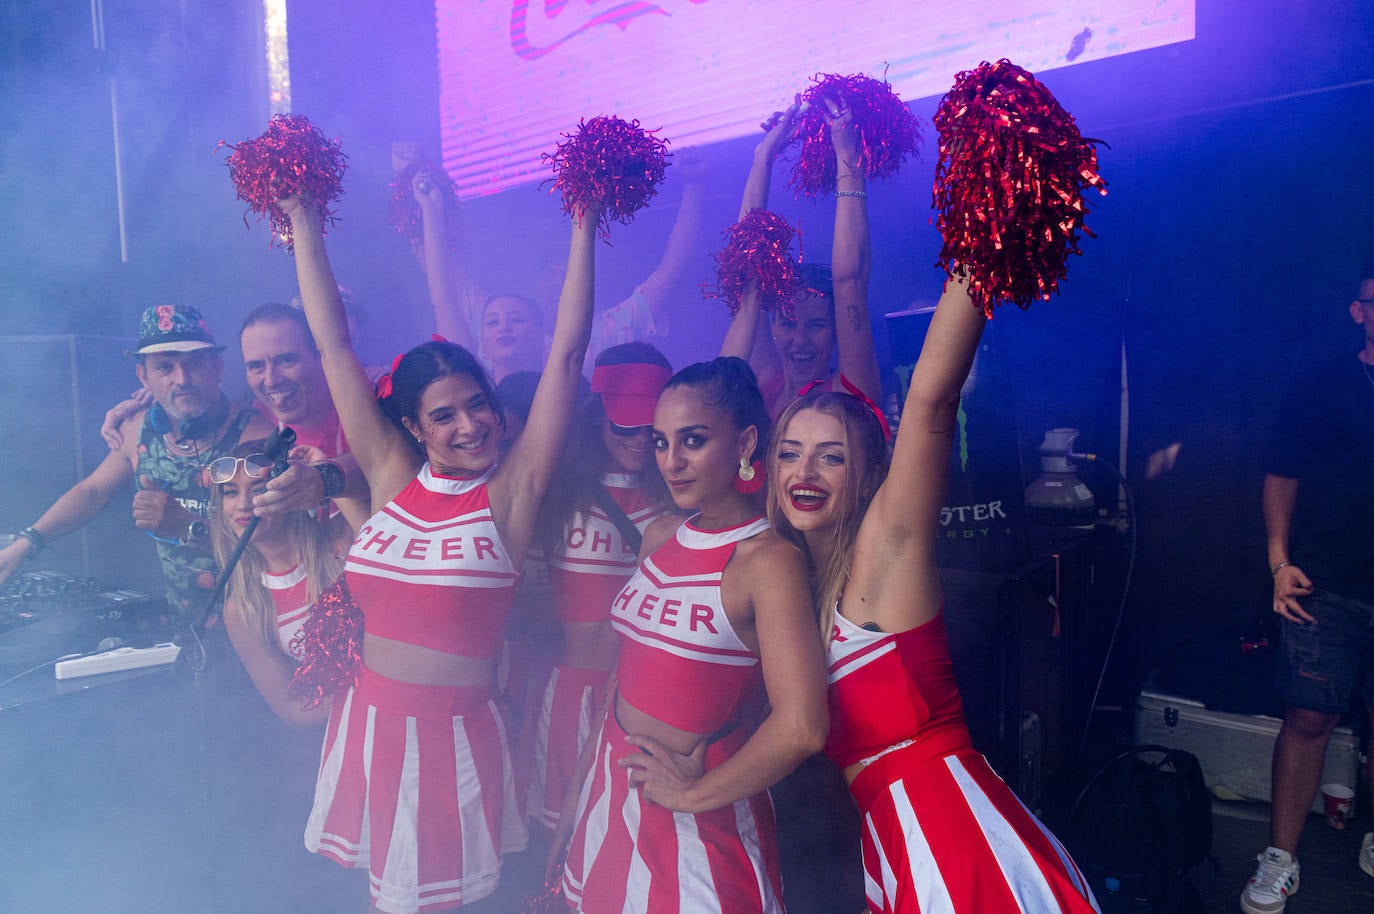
332 476
37 540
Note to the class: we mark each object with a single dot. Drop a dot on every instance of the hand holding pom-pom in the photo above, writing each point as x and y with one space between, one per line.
329 645
423 191
609 168
1009 185
758 249
884 132
292 158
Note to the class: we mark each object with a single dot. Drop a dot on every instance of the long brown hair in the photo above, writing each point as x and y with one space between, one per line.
866 463
317 552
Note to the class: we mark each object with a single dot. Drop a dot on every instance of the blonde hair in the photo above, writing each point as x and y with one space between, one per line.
863 439
318 555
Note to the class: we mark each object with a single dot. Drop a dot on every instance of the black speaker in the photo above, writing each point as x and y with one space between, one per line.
56 392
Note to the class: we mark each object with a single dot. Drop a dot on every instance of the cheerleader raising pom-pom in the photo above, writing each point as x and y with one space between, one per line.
757 248
609 163
291 158
330 647
422 177
887 131
1009 185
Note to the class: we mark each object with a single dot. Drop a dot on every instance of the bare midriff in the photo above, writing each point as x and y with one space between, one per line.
590 645
636 723
425 665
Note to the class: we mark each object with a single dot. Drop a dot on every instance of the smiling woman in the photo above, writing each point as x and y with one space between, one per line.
713 624
415 781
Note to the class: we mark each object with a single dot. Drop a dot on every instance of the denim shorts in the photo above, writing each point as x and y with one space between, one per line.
1322 662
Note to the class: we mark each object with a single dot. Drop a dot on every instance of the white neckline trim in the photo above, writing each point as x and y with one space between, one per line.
448 486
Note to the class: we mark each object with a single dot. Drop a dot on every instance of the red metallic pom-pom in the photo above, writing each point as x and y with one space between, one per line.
887 131
758 247
608 162
1009 185
404 210
329 645
291 157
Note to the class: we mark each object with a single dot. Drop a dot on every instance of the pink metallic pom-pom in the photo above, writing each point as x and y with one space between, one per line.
329 645
291 158
758 247
887 131
1009 185
609 162
405 211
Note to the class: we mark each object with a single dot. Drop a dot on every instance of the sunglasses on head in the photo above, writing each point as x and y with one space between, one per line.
627 431
255 466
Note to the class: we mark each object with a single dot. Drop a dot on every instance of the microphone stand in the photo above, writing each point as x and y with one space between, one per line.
277 448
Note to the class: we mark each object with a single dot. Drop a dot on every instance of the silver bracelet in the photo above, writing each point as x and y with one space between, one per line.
851 193
1275 570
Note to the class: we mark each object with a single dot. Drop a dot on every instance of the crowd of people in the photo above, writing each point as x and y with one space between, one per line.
605 607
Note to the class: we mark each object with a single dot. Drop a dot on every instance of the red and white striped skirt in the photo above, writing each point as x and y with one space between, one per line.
947 834
563 722
415 783
630 856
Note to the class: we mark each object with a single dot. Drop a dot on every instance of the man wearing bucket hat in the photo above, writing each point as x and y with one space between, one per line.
166 449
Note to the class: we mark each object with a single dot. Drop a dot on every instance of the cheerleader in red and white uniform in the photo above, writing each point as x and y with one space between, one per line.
674 815
415 778
290 560
608 493
941 832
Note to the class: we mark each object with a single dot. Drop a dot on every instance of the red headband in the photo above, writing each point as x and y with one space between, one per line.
858 394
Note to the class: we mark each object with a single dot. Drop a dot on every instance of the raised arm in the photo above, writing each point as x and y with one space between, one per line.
894 575
677 253
777 134
444 271
519 485
849 258
793 664
382 452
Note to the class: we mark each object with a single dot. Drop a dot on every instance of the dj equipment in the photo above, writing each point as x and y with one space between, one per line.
47 615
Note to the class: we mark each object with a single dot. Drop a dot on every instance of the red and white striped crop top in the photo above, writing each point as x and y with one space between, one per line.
429 569
680 659
593 561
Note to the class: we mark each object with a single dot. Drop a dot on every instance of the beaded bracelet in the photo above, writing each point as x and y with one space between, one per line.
1275 570
851 193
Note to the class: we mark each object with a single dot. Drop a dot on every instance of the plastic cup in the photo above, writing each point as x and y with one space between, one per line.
1337 801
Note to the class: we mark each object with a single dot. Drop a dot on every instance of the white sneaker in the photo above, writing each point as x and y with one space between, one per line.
1367 853
1275 879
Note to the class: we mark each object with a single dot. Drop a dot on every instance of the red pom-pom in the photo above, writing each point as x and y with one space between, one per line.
330 647
887 131
291 157
614 163
1009 185
758 247
405 211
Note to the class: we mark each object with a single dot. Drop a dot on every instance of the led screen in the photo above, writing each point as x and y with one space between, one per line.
515 74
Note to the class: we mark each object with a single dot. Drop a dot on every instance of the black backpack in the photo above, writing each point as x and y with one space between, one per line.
1138 826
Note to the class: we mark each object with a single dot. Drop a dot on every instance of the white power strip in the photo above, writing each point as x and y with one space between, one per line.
121 658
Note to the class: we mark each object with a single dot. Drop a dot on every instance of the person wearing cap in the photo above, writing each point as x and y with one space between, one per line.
166 449
592 525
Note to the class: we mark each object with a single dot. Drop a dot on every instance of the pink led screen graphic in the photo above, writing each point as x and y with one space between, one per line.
515 74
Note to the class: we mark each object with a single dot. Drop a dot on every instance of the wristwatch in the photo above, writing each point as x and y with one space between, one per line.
197 532
332 477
